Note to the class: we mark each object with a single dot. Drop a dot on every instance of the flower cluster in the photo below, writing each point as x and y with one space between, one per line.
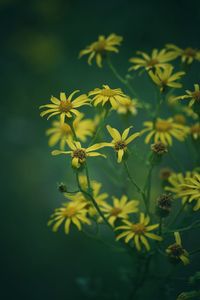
129 138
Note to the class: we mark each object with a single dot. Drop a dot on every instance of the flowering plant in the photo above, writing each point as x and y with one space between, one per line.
147 226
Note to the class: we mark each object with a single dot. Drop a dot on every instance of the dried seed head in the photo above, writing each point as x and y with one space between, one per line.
165 173
159 148
164 204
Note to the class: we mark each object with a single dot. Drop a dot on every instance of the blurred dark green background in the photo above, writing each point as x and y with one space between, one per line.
40 41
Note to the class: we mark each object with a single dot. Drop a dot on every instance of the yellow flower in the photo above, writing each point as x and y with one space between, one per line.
166 78
195 131
60 132
163 130
99 48
71 212
79 154
79 197
107 95
157 59
191 189
120 209
128 106
176 252
139 232
194 96
120 142
188 55
65 107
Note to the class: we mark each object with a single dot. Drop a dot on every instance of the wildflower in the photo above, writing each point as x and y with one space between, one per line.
159 148
163 130
71 212
189 112
65 106
194 96
120 209
120 142
138 232
157 59
176 252
195 131
129 106
165 78
102 46
60 132
95 191
188 55
114 97
80 154
190 189
164 204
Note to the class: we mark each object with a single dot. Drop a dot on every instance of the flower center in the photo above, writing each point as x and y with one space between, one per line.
195 129
79 153
69 212
120 145
196 95
115 211
108 92
152 62
99 46
65 106
163 126
65 129
138 228
176 250
190 52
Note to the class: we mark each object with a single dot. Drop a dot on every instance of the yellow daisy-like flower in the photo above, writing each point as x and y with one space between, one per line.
71 212
107 95
120 142
195 131
191 189
188 55
120 209
129 106
65 107
163 130
176 252
193 96
97 195
60 132
79 154
102 46
166 78
139 232
157 59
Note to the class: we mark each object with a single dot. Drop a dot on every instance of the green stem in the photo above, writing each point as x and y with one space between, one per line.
99 127
194 225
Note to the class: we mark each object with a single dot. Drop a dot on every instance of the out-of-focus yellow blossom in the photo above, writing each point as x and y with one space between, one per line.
163 130
176 252
107 95
191 189
60 132
70 212
65 106
120 142
180 119
195 131
120 209
97 195
193 96
188 55
178 186
166 78
139 232
129 106
157 59
79 154
102 46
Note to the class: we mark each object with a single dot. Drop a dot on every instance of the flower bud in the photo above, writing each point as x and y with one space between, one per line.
159 148
62 187
164 204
